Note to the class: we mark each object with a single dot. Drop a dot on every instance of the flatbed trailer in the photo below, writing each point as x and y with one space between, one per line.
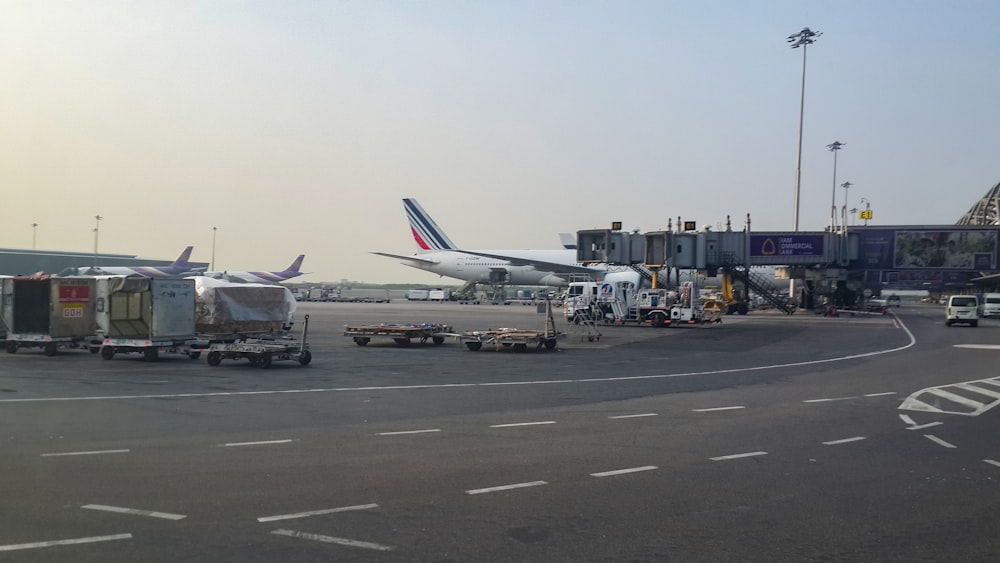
401 334
511 338
262 351
150 349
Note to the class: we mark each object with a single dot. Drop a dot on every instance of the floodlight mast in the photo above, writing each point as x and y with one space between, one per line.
834 147
802 39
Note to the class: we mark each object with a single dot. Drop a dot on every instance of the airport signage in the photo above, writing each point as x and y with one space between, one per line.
786 245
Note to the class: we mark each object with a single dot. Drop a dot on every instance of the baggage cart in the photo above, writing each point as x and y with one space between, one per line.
262 351
401 334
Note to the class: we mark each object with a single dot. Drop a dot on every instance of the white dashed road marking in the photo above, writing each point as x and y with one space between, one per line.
829 400
522 424
624 471
506 487
316 512
880 394
263 443
331 539
95 452
403 432
736 456
991 462
844 441
907 420
939 441
928 425
633 415
135 511
75 541
718 409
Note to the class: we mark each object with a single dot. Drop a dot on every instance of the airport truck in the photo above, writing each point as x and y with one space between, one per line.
48 313
143 315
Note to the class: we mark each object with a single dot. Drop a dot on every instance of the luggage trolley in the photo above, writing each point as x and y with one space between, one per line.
262 351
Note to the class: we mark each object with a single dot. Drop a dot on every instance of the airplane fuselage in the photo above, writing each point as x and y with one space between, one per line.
481 269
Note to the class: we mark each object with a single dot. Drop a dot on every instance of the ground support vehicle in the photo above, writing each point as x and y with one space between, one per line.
517 340
46 312
148 316
262 351
688 311
401 334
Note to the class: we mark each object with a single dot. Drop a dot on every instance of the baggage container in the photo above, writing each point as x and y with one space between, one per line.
145 315
49 313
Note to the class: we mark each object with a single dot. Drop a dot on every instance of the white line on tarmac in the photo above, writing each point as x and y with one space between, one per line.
880 394
939 441
991 462
633 415
316 512
522 424
95 452
979 346
331 539
844 441
912 342
506 487
262 443
75 541
928 425
907 420
135 511
624 471
736 456
829 400
717 409
402 432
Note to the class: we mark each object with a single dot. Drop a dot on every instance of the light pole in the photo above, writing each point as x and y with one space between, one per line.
854 215
802 39
97 232
834 147
846 186
212 266
34 231
868 206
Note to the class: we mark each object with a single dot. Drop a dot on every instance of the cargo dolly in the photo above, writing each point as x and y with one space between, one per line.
518 340
262 351
401 334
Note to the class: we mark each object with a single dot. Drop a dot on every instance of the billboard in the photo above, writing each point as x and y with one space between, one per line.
786 245
947 250
965 249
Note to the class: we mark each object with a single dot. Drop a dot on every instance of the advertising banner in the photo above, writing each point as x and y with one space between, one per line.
786 245
947 250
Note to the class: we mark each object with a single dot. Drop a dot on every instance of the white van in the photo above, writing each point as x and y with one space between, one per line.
962 309
991 304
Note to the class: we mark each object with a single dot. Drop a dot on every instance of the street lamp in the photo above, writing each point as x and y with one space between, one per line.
34 231
846 186
834 147
802 39
868 206
854 215
212 267
97 232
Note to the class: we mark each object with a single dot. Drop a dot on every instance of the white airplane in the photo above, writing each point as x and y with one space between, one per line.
177 267
436 253
288 273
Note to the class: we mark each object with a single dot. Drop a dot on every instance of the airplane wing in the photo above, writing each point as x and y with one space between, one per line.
407 258
539 265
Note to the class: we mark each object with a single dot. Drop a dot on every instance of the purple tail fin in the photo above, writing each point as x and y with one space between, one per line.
294 268
182 260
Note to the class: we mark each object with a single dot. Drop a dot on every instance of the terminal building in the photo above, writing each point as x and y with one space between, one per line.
20 262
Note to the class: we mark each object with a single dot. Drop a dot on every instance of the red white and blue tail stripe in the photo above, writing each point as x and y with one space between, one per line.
426 232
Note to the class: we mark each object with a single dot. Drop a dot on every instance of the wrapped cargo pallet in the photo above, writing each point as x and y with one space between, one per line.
225 307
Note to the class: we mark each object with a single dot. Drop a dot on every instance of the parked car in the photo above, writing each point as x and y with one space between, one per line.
991 305
893 301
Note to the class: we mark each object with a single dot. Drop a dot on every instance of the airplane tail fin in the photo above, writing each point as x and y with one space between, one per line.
568 241
426 232
294 268
182 260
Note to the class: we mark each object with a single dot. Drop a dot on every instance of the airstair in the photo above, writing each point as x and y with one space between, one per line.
754 282
583 323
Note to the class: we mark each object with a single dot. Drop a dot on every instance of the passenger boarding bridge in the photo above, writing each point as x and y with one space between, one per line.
925 257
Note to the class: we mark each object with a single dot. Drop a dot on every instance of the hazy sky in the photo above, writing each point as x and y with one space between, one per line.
297 127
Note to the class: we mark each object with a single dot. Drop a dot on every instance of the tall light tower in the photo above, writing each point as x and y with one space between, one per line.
34 231
846 186
802 39
212 266
834 147
97 232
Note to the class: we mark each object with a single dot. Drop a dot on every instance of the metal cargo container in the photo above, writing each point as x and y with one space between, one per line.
6 304
148 315
44 312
